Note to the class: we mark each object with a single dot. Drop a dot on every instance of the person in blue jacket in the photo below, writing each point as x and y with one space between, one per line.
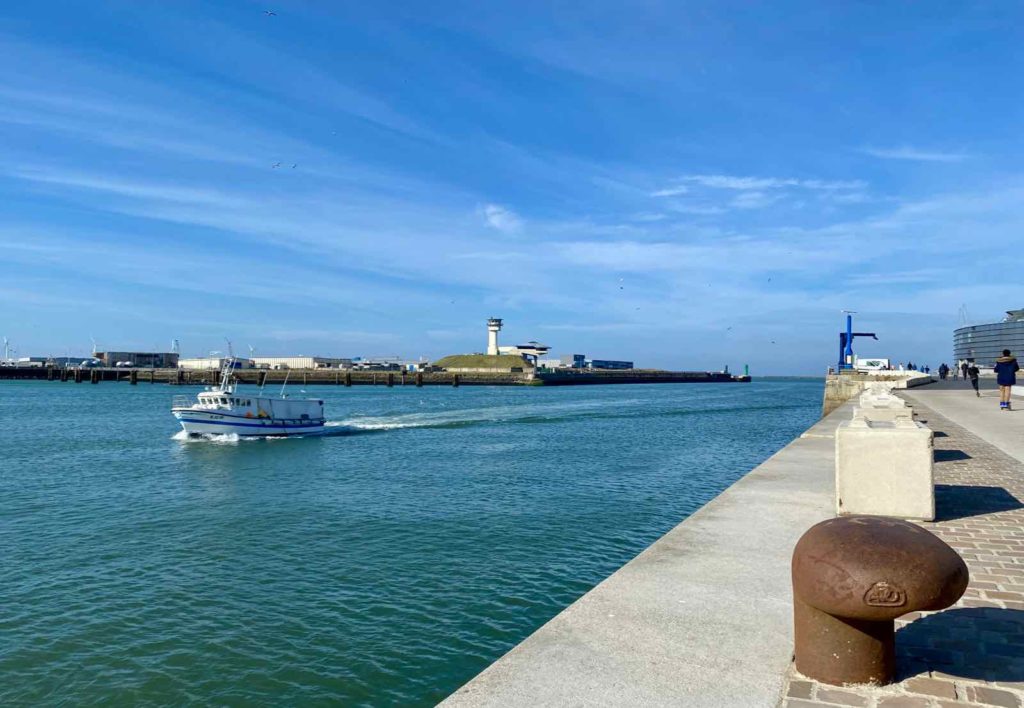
1006 369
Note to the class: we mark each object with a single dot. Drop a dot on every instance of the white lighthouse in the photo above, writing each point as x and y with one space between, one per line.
493 327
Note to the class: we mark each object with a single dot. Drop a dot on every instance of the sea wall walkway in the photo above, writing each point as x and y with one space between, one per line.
702 617
973 653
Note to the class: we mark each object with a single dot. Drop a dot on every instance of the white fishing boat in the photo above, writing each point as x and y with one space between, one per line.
222 410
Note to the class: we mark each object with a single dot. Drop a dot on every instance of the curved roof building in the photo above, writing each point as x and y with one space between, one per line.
983 343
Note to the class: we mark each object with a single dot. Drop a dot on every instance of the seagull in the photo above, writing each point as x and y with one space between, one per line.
269 13
275 165
295 165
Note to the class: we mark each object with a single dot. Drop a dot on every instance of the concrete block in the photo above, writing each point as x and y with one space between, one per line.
882 406
884 468
883 410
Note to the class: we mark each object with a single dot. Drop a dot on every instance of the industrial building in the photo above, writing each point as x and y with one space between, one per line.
983 343
300 362
212 363
149 360
609 364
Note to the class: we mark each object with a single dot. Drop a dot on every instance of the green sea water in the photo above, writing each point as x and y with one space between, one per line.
385 564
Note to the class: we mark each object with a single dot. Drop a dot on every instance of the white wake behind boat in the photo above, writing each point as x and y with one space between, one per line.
222 410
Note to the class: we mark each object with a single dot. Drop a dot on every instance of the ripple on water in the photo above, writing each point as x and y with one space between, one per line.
388 563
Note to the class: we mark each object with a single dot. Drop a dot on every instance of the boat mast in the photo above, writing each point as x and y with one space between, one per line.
228 371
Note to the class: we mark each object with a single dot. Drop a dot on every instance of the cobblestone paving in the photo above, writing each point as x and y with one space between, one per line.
971 654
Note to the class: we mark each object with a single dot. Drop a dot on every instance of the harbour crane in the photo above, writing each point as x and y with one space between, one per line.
846 341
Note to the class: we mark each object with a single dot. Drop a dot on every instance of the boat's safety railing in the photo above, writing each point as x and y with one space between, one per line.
182 402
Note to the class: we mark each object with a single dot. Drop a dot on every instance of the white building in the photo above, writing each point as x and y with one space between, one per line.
300 362
215 363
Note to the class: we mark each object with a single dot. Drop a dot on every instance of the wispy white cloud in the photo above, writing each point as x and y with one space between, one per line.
501 218
914 154
754 200
671 191
759 183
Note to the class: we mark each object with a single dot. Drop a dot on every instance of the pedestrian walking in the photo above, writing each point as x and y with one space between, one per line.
972 373
1006 369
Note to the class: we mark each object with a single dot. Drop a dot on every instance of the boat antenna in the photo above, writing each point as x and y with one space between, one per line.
287 373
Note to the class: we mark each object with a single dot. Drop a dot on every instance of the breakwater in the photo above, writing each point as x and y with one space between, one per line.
339 377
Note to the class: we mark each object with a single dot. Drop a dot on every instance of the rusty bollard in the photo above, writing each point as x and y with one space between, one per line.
852 577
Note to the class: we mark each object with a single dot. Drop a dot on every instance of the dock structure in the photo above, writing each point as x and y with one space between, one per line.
703 617
348 377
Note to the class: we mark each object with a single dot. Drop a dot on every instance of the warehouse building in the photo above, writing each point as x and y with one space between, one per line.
148 360
609 364
300 362
212 363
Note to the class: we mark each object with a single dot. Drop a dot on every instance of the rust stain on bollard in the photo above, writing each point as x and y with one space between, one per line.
852 577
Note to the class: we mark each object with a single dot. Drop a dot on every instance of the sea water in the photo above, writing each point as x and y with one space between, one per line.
386 563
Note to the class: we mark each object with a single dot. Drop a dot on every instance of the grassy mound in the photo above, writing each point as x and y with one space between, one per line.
482 361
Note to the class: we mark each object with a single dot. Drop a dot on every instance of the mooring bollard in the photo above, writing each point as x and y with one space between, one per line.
854 575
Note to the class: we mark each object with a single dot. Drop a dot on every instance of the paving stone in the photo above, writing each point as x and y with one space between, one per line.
800 689
931 687
840 697
993 697
904 702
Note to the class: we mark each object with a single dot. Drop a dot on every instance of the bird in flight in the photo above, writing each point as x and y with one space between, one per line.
295 165
275 165
269 13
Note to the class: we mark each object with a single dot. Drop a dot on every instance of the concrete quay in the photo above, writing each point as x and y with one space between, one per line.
703 617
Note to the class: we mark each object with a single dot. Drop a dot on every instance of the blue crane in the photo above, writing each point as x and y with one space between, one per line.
846 342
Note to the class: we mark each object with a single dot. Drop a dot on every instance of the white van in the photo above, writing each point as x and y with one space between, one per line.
871 365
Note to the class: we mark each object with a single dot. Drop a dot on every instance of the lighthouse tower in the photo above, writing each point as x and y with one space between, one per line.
493 327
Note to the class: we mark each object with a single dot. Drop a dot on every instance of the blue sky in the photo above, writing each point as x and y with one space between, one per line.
681 184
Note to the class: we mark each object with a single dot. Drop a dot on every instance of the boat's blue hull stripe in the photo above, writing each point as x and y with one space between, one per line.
250 425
